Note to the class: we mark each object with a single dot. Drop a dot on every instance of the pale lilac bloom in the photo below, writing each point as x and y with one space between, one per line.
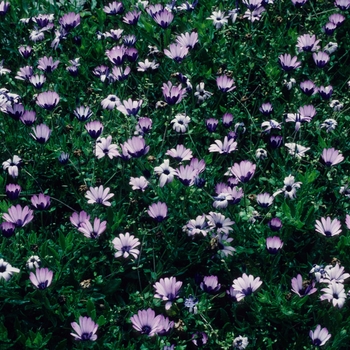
196 226
83 113
328 227
139 183
132 54
252 4
319 336
325 91
226 147
152 10
302 289
113 8
176 52
126 245
347 221
163 18
307 42
110 102
103 73
186 174
146 322
342 4
167 289
336 105
188 40
334 293
329 28
223 245
225 84
114 34
42 278
165 326
147 65
240 343
180 122
94 129
166 173
95 231
307 112
296 150
290 187
69 21
198 165
273 244
266 108
320 59
85 330
117 55
158 211
143 126
130 107
4 7
37 35
47 64
99 195
173 94
254 15
41 133
40 201
330 48
78 218
219 19
275 224
48 100
3 71
219 222
222 200
132 17
12 165
334 273
121 74
288 63
12 191
210 284
24 73
331 156
104 146
136 147
180 153
28 118
15 111
6 270
265 200
246 285
243 171
336 18
308 87
299 3
37 81
201 94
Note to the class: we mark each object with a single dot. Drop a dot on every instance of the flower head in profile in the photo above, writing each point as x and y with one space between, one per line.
334 293
201 94
99 195
130 107
138 183
331 156
6 270
176 52
265 200
48 100
85 330
42 278
225 147
13 191
180 153
225 84
4 7
320 59
319 336
301 288
158 211
77 219
94 129
273 244
132 17
173 94
136 147
104 146
41 133
243 171
40 201
47 64
329 125
167 289
288 63
95 231
113 8
328 227
199 339
146 322
307 42
69 21
246 285
126 244
334 273
210 284
83 113
18 216
33 262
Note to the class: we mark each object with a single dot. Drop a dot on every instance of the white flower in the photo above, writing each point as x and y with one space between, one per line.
329 124
219 19
147 65
290 187
336 105
180 122
6 270
296 150
166 173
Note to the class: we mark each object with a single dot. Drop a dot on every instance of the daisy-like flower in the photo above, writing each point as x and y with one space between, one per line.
130 107
320 59
146 322
41 133
33 262
42 278
246 285
28 118
99 195
290 187
334 273
85 330
201 94
222 200
336 105
143 126
37 81
180 153
126 245
3 71
325 91
347 221
93 232
166 173
219 19
226 147
227 120
334 293
254 15
243 171
4 7
12 166
158 211
103 72
73 67
104 146
265 200
211 124
223 244
69 21
6 270
296 150
167 289
261 153
240 342
210 284
273 244
342 4
186 174
7 229
331 156
195 227
328 227
301 288
13 191
288 63
307 42
330 48
275 224
219 222
180 122
308 87
132 17
337 18
165 326
77 219
83 113
117 55
199 339
188 40
329 28
47 64
114 8
41 201
176 52
319 336
18 216
225 84
48 100
163 18
94 129
136 147
139 183
173 94
266 108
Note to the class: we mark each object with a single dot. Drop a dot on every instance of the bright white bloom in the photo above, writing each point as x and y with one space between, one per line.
290 187
296 150
219 19
180 122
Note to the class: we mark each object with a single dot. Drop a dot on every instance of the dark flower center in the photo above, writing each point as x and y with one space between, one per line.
247 291
43 285
317 342
86 336
2 269
335 296
126 249
218 225
166 172
288 188
146 330
328 233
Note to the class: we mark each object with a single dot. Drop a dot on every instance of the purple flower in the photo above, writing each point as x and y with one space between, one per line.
186 174
331 156
266 108
270 125
265 200
15 111
13 191
219 19
226 147
275 224
328 227
308 87
28 118
223 245
99 195
246 285
4 7
288 63
334 273
18 216
188 40
299 3
114 8
320 59
131 54
144 125
329 28
47 64
210 284
139 183
337 18
103 73
158 211
240 343
197 226
165 326
342 4
302 289
227 120
94 129
42 278
69 21
329 125
78 218
48 100
146 322
37 81
83 113
117 55
12 166
104 146
41 201
290 187
173 94
176 52
334 293
119 74
243 171
126 245
93 232
85 330
136 147
307 42
63 158
199 338
24 73
130 107
41 133
25 51
163 18
275 141
219 222
167 289
180 153
6 270
319 336
347 221
225 84
211 124
273 244
132 17
325 92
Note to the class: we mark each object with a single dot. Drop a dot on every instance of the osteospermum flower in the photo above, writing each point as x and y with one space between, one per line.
210 284
240 343
41 133
85 330
77 219
104 146
201 94
163 18
334 293
48 100
180 153
331 156
41 201
12 166
288 63
246 285
6 270
219 19
94 129
110 102
166 173
167 289
173 94
197 226
320 59
265 200
225 84
296 150
95 231
146 322
12 191
186 174
328 227
113 8
180 122
290 187
302 289
126 245
130 107
319 336
176 52
307 42
273 244
47 64
243 171
219 222
69 21
139 183
83 113
99 195
226 147
42 278
334 273
18 216
136 147
158 211
33 262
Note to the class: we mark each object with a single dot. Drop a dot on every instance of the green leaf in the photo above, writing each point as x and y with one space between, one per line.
101 320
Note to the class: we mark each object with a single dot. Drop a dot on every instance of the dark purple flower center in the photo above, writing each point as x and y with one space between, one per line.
2 268
317 342
328 233
335 296
166 172
288 188
126 249
247 291
43 285
86 336
146 330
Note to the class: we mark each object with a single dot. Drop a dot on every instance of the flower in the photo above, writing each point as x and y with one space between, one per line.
104 146
320 58
331 156
226 147
219 19
136 147
199 338
166 173
240 342
329 124
132 17
139 183
296 150
308 87
223 244
41 133
110 102
201 94
126 245
33 262
288 63
325 91
40 202
225 84
219 222
165 326
85 330
48 100
93 232
186 174
173 94
336 105
211 124
143 126
47 64
12 166
266 108
307 42
342 4
265 200
146 322
196 227
167 289
4 7
13 191
334 293
334 273
347 221
114 8
336 18
331 47
191 303
69 21
99 195
275 224
188 40
163 18
42 278
319 336
210 284
37 81
19 216
15 111
301 288
28 118
94 129
328 227
180 153
246 285
243 171
158 211
130 107
260 154
290 187
77 219
180 122
147 65
83 113
176 52
273 244
6 270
